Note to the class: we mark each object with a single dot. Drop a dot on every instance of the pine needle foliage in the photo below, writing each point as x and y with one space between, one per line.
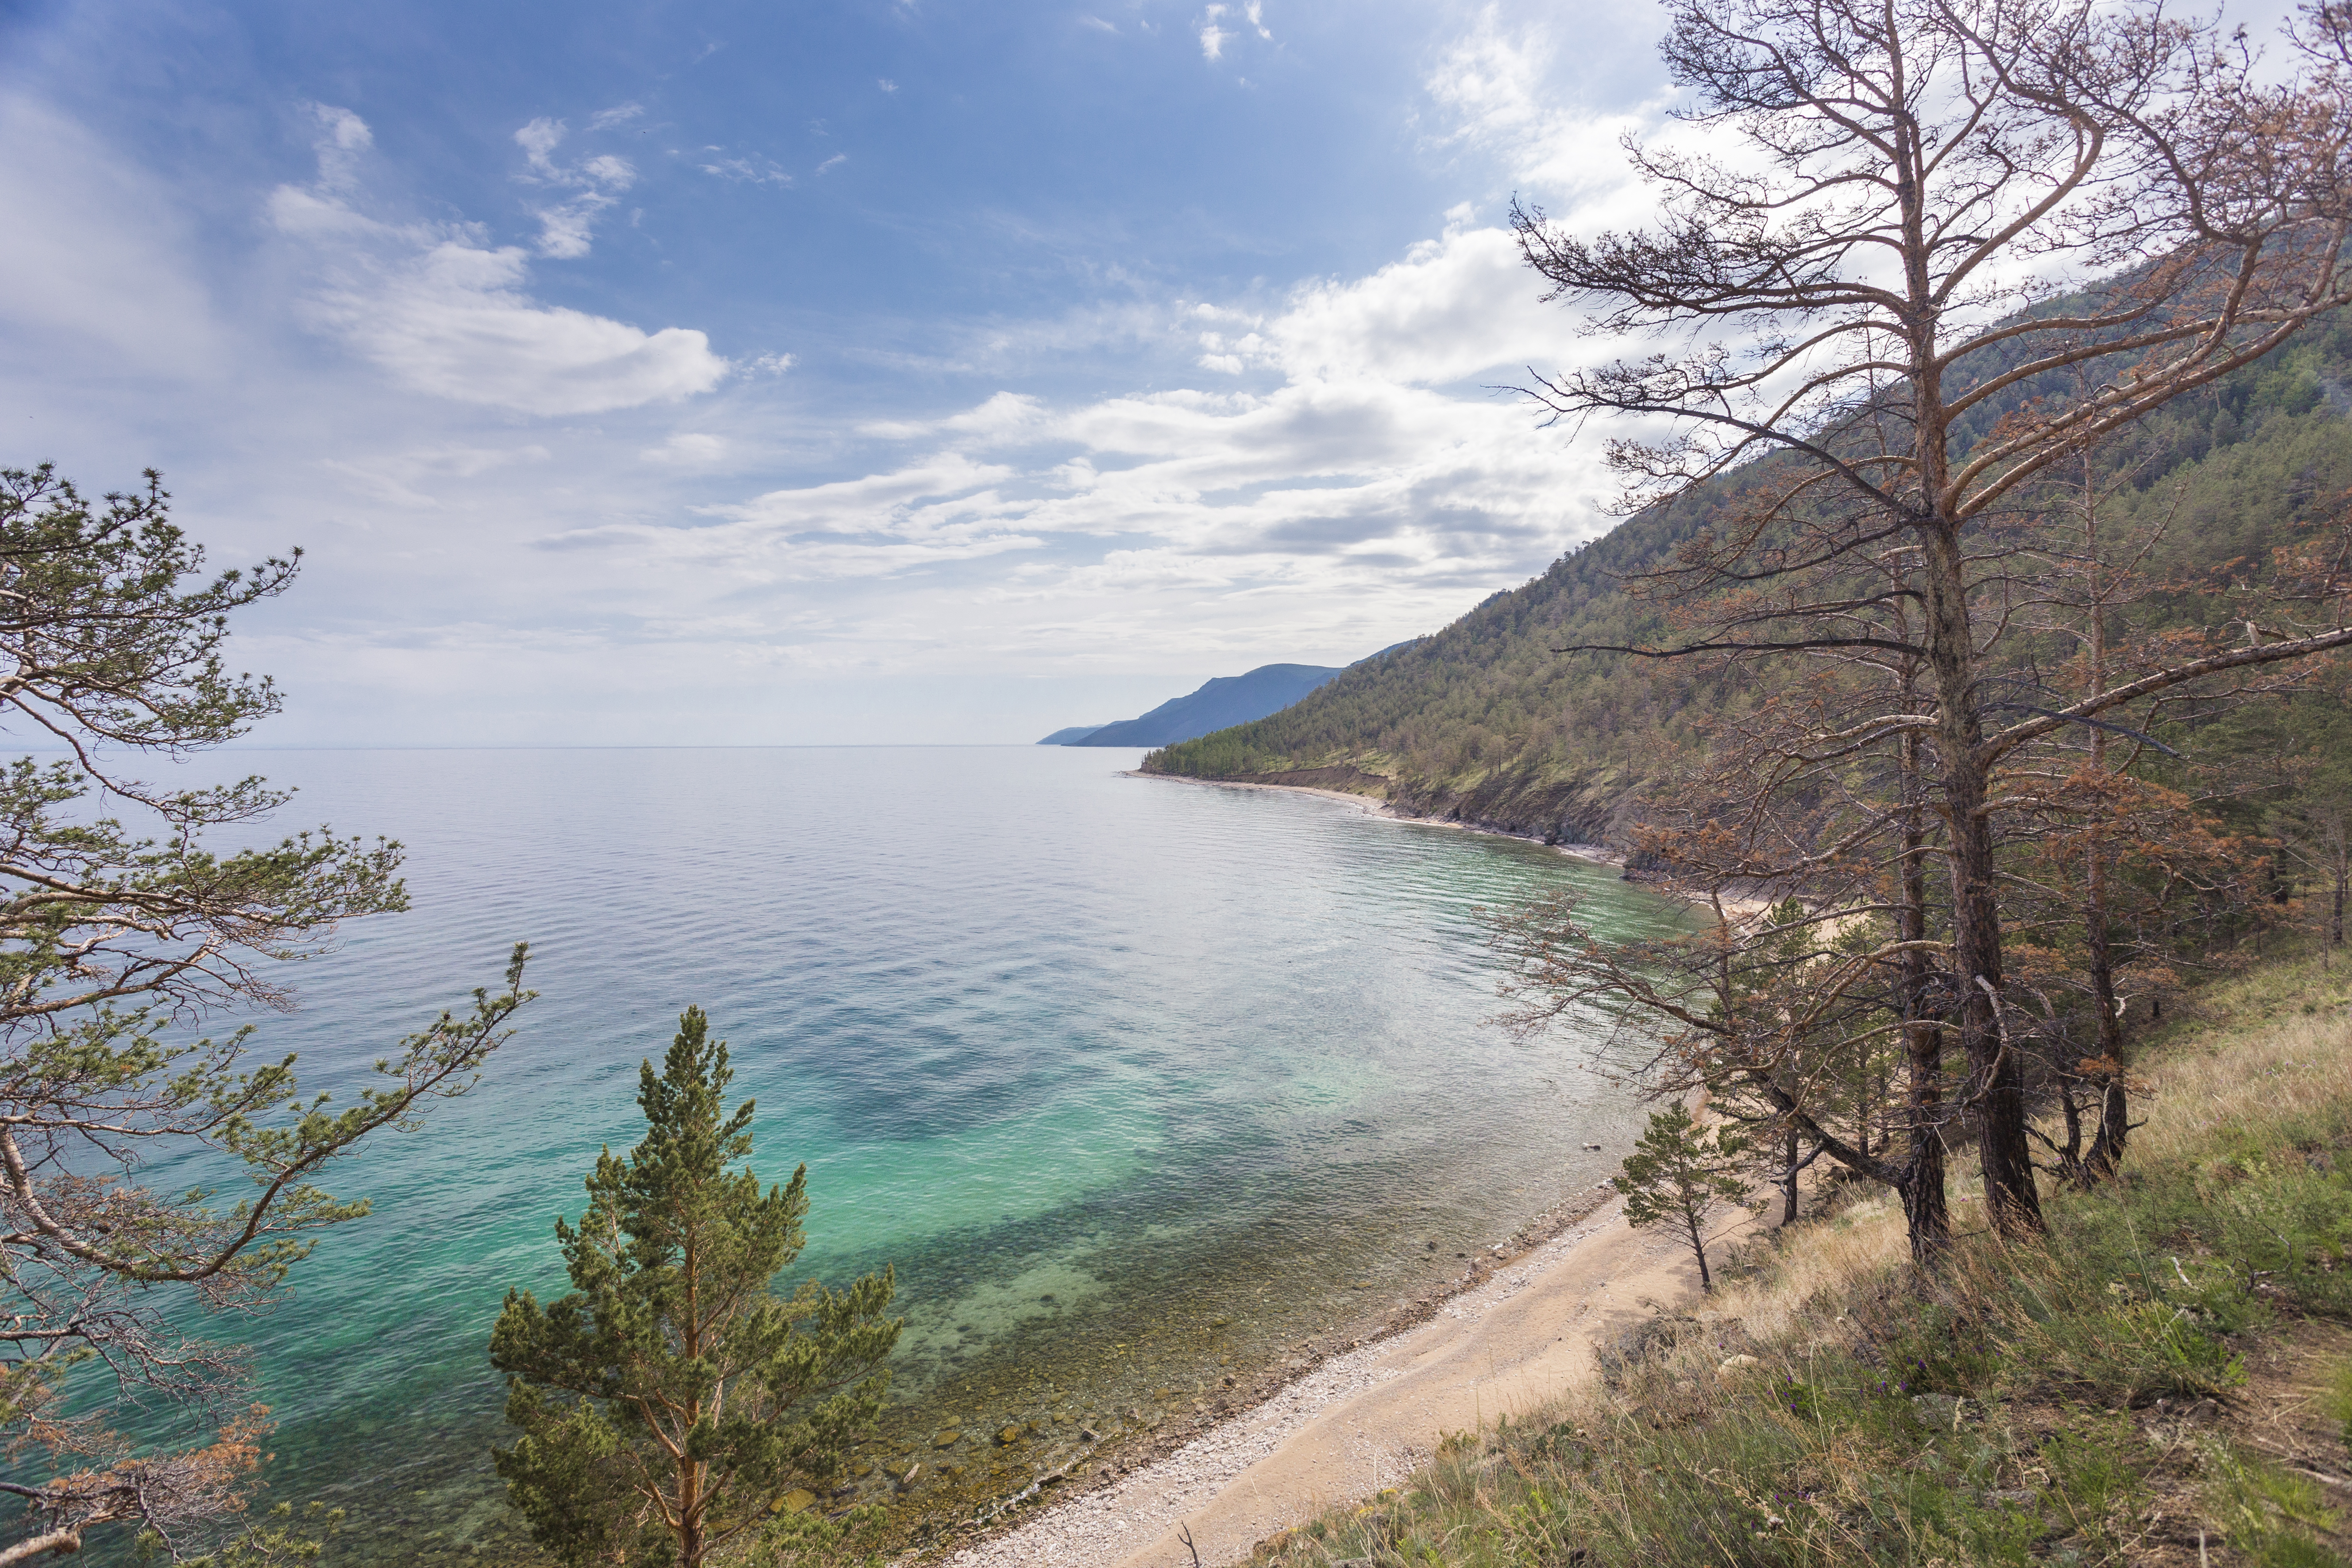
673 1400
1678 1173
121 930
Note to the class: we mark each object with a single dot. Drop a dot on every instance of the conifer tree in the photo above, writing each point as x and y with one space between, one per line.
1678 1173
672 1400
1848 298
122 928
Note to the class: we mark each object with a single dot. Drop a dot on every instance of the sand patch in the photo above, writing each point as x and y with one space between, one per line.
1366 1419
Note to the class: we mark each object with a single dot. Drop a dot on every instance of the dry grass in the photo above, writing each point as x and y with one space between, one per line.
2269 1050
2084 1399
1856 1248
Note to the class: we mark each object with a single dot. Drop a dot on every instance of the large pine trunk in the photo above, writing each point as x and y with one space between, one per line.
2114 1103
1996 1074
1926 1214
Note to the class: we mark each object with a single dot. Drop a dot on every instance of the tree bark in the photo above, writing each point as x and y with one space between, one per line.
2114 1108
1789 1182
691 1544
2342 879
1698 1247
1997 1077
2114 1103
1925 1212
57 1541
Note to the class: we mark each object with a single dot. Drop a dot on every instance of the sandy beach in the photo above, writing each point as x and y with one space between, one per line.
1504 1346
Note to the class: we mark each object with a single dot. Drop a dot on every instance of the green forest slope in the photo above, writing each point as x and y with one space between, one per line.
1483 723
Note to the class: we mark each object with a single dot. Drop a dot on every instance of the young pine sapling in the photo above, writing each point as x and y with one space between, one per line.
1678 1173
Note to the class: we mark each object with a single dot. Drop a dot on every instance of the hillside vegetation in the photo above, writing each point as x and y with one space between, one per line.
2165 1377
1484 722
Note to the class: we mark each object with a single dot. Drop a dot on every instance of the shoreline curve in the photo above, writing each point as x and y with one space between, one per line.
1597 853
1511 1340
1520 1328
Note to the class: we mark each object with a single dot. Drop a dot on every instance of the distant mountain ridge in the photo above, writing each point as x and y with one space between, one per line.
1219 704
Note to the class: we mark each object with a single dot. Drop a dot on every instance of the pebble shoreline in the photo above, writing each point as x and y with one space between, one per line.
1103 1520
1106 1525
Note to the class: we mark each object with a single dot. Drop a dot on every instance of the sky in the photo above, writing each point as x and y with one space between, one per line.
692 372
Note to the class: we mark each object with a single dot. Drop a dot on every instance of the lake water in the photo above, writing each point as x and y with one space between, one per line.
1134 1081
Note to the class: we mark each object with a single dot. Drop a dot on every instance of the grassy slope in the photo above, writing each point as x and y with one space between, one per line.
1483 722
2173 1367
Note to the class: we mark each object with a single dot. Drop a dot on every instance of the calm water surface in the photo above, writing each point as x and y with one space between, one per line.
1134 1081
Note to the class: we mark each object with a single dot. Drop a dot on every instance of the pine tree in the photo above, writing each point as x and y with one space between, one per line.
122 921
1678 1173
672 1400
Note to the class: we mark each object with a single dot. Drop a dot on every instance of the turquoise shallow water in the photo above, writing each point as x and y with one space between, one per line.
1133 1080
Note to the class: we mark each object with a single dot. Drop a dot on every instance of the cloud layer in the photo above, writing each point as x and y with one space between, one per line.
1343 457
529 521
447 314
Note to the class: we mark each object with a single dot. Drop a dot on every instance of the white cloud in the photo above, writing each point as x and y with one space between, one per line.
376 485
830 164
594 184
97 258
1454 308
1500 86
940 511
1007 415
448 314
1354 485
619 114
772 364
905 502
886 84
538 140
410 479
1097 22
343 136
690 448
563 232
747 171
1213 37
455 322
465 462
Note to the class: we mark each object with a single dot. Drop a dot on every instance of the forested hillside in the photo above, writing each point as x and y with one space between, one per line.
1484 722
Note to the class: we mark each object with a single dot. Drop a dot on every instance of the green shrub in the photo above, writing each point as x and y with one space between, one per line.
2268 1514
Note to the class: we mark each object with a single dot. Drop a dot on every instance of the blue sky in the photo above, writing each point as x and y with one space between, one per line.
682 373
